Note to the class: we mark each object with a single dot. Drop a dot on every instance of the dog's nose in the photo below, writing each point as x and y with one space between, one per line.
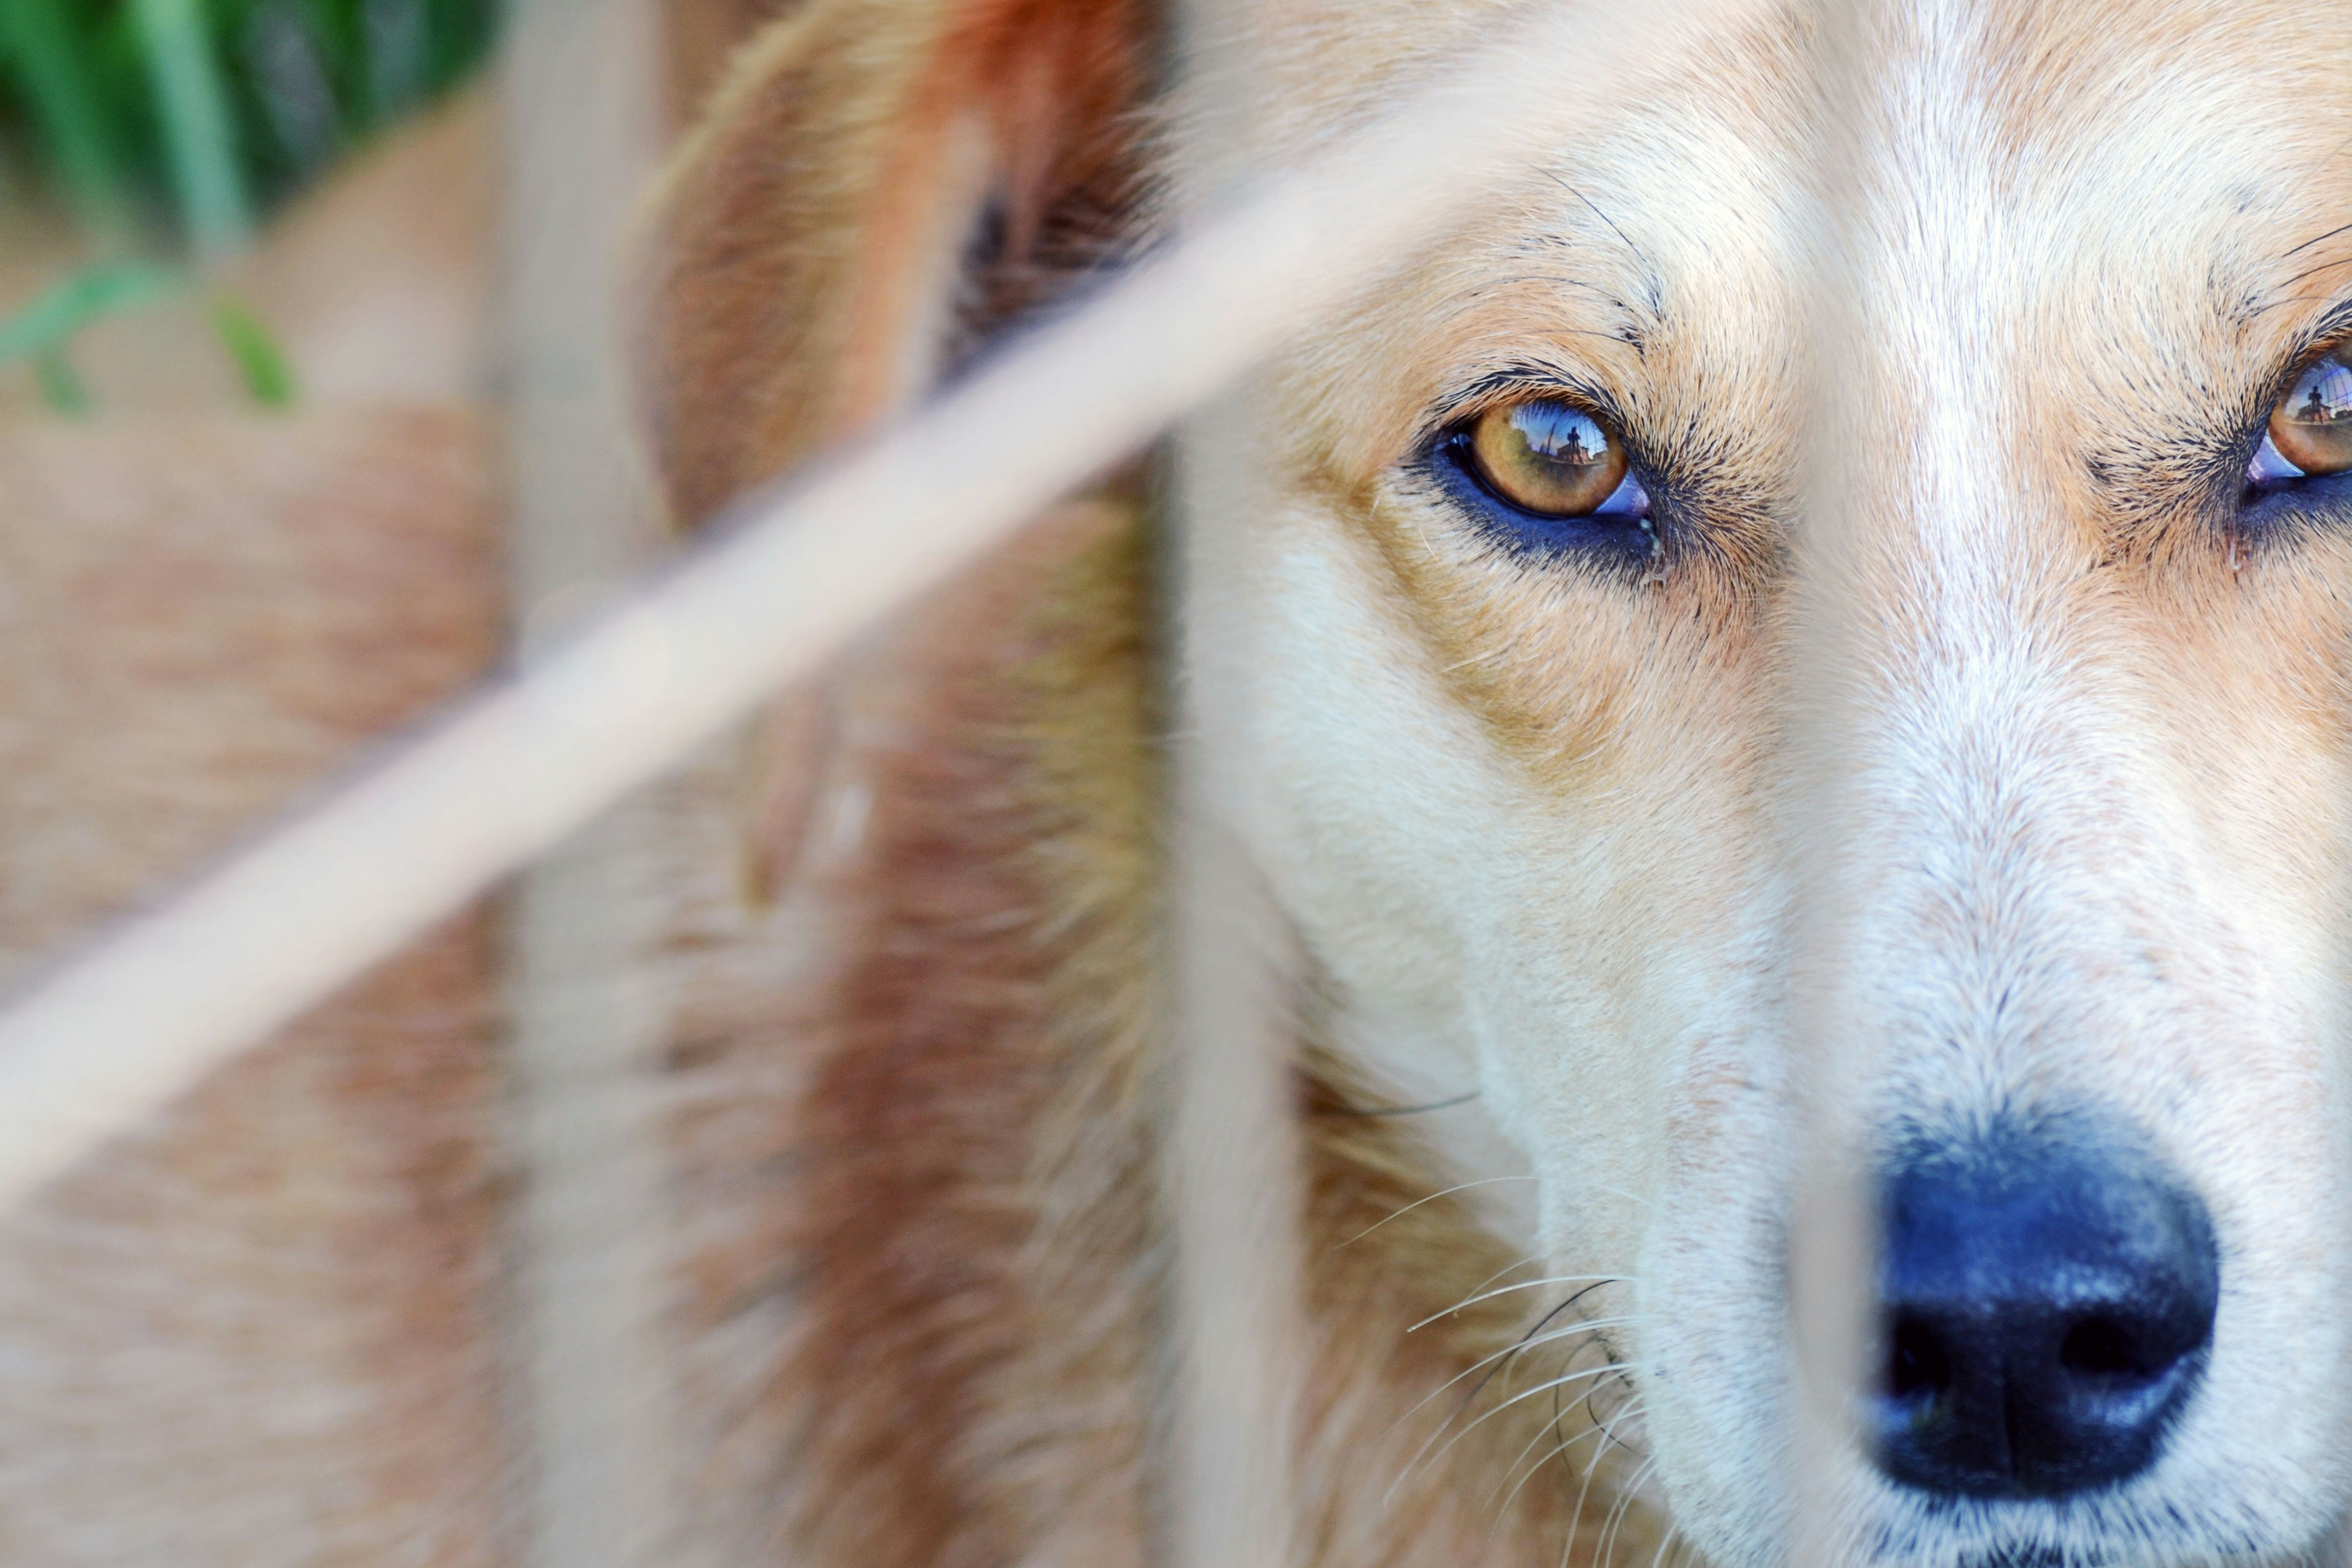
2046 1304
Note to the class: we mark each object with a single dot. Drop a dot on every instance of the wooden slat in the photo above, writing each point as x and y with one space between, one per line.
584 100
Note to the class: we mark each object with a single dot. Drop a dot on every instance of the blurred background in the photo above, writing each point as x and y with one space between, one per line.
145 145
312 402
162 165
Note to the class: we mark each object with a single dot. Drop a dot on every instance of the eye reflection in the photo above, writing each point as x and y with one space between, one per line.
1548 457
2311 429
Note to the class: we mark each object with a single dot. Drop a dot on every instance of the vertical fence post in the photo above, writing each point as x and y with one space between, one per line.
1832 1236
1232 1176
585 88
1233 1172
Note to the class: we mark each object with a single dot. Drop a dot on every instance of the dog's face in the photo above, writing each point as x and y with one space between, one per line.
1568 708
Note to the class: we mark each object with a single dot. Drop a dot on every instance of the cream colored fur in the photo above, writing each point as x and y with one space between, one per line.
2079 828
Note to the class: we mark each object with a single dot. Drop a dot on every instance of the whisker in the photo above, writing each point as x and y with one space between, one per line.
1596 1280
1402 1110
1553 1425
1584 1490
1670 1536
1531 1257
1631 1496
1493 656
1618 1367
1466 1186
1639 255
2316 271
1582 1326
1525 1342
1595 1418
1618 1193
1537 1469
1521 1342
1415 1464
2316 238
1612 1530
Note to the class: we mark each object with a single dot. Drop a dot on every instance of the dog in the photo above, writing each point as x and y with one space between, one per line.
1625 798
1603 766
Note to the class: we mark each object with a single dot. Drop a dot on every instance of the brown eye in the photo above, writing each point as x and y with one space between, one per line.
1548 457
2311 425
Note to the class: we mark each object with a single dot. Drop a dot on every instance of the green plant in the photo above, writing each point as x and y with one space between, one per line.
169 127
42 331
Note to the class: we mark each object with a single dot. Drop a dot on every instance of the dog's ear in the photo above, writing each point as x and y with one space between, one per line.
880 185
879 188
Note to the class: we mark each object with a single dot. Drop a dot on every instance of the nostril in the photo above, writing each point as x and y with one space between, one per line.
1915 1362
2104 1347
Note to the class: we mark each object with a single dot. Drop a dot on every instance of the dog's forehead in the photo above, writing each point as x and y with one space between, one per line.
2068 186
2099 180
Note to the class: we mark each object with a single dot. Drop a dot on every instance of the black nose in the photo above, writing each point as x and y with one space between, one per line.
2046 1302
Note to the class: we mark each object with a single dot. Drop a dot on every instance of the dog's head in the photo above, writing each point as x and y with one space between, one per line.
1612 772
1601 773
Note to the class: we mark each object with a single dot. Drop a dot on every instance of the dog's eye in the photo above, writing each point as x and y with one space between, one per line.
1545 477
2310 431
1546 457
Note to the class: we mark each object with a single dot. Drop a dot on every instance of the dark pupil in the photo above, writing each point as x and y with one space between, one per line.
1562 435
2327 398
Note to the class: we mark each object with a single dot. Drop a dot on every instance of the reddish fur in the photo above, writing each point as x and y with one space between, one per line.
976 1239
819 178
976 1244
258 1332
927 1310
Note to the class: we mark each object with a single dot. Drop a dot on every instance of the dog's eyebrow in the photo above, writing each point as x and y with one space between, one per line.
1585 283
2316 271
1638 321
2332 320
2277 296
2335 322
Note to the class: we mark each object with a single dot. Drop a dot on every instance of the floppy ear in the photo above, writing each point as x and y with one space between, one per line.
880 186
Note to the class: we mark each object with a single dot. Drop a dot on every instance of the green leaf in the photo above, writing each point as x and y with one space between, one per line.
85 146
220 107
46 324
199 136
43 330
267 375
